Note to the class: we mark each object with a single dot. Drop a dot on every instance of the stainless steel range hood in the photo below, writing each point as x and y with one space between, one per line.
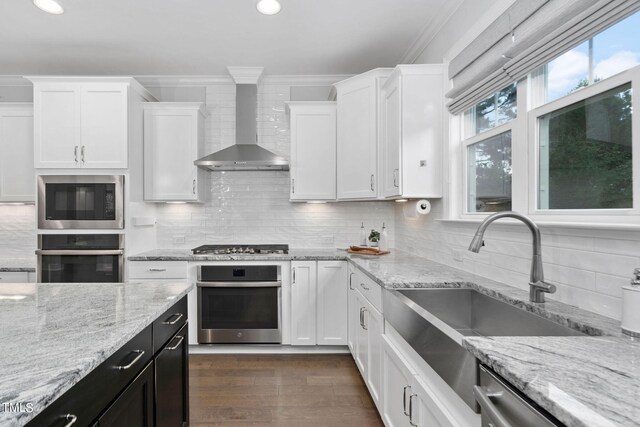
246 154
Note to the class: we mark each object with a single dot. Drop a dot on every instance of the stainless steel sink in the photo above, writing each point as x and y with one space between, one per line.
470 312
435 321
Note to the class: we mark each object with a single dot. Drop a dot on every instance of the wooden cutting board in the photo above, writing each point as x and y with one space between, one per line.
365 250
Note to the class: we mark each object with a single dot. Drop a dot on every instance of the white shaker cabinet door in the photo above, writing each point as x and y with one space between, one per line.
105 129
57 125
17 176
332 295
303 302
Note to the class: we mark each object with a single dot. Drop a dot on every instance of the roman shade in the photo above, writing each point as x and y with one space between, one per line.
527 35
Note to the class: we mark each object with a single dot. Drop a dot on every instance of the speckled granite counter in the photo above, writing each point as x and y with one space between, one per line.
186 255
54 334
583 381
18 265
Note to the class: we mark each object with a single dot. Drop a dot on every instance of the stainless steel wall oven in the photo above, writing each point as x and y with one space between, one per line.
80 201
73 258
239 304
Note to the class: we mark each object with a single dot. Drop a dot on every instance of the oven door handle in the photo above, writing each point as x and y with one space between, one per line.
277 284
80 252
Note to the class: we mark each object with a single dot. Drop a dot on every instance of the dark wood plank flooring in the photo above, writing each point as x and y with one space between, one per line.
278 390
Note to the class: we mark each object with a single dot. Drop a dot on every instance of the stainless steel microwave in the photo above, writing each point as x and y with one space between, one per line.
80 202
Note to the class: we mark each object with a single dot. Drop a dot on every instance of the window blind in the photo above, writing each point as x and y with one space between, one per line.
529 34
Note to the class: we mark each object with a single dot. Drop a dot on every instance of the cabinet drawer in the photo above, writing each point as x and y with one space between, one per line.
170 322
14 277
158 270
92 394
369 289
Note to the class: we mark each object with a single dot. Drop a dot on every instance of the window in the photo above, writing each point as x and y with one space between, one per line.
610 52
572 156
488 152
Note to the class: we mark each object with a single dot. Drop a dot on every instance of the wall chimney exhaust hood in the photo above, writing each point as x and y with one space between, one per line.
245 154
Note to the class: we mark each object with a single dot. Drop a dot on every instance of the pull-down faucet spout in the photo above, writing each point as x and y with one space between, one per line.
537 286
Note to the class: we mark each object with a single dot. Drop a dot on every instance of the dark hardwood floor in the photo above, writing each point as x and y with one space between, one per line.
278 390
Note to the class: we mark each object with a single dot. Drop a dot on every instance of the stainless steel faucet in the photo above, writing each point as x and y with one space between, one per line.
537 286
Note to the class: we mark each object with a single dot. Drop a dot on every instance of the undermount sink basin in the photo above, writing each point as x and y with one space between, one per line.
470 313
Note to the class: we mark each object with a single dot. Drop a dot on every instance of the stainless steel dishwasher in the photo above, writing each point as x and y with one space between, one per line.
502 406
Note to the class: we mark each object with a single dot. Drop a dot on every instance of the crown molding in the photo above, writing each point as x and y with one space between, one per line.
14 81
429 31
183 81
306 80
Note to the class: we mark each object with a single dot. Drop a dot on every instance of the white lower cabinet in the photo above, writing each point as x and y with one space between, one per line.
318 303
366 337
352 311
303 302
408 401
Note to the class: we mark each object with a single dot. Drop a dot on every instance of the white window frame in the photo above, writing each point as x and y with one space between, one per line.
604 216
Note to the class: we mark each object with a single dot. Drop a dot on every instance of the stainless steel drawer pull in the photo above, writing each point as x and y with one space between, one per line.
365 287
173 347
364 324
411 410
125 367
362 317
174 321
351 277
404 399
157 269
484 400
71 420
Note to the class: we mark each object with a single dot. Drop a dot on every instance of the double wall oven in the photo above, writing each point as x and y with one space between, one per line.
77 204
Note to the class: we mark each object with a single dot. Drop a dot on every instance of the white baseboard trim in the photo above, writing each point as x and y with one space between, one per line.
265 349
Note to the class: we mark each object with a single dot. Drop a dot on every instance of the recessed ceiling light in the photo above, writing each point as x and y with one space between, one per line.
50 6
269 7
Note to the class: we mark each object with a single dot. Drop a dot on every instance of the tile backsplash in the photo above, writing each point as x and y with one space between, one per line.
253 206
589 266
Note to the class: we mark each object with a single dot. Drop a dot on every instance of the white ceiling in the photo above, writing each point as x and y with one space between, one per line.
202 37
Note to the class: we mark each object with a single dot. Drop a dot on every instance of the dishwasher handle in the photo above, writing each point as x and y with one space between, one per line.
484 400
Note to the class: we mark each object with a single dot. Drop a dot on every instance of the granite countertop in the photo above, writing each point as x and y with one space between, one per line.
186 255
53 335
583 381
18 265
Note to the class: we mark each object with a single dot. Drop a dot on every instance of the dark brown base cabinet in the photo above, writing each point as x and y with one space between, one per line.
143 384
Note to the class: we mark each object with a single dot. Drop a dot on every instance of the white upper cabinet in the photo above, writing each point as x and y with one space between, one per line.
84 121
173 140
358 110
17 176
412 132
313 150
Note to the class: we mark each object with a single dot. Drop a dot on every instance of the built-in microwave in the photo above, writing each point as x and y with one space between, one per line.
80 202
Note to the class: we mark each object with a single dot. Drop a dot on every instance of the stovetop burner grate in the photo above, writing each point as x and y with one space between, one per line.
240 249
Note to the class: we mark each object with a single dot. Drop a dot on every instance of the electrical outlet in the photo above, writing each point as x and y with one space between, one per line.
457 255
179 240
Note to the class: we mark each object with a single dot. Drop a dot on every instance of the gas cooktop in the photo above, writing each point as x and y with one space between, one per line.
240 249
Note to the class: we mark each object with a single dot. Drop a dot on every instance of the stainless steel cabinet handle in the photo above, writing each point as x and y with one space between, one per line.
75 153
350 277
174 321
194 186
411 410
364 324
372 182
79 252
362 317
82 154
173 347
404 399
157 269
293 186
484 400
294 276
365 287
395 178
71 420
125 367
